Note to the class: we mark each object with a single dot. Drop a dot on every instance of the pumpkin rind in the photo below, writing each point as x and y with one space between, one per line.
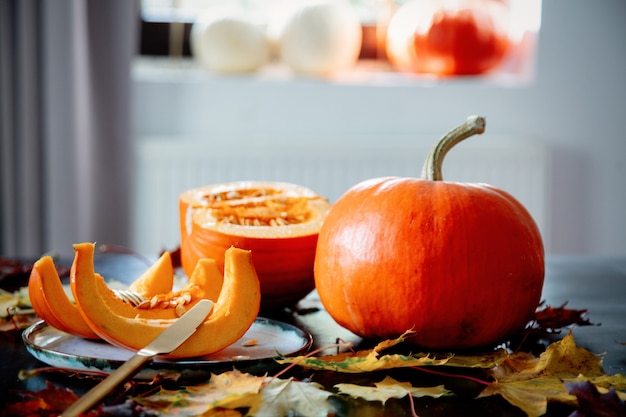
283 255
460 264
115 321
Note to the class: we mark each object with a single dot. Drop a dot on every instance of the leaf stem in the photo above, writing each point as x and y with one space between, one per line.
469 378
413 412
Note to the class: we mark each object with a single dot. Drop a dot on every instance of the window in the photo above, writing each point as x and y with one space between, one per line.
166 27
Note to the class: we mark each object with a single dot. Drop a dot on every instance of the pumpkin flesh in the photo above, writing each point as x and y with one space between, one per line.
118 323
157 279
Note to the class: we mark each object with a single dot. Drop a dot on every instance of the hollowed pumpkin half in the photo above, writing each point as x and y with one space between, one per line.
118 323
51 303
278 222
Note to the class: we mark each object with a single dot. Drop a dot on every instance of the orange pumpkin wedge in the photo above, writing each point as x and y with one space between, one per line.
51 302
157 279
278 222
117 322
41 308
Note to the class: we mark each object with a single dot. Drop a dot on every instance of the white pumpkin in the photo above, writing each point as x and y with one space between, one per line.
228 42
318 38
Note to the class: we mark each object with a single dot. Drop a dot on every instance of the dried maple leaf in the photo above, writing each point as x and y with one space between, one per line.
262 396
563 359
486 360
390 388
551 319
16 312
366 360
529 382
283 397
226 390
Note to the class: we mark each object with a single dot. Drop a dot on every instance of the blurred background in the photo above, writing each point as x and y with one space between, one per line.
109 110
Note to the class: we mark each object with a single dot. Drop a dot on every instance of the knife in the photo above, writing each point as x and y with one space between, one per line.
171 338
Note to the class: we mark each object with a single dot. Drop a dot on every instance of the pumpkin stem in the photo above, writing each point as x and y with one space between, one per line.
432 167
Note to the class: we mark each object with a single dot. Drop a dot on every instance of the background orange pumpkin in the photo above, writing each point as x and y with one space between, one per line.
449 37
461 264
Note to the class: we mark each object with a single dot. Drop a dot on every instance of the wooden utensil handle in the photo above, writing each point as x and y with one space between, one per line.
97 393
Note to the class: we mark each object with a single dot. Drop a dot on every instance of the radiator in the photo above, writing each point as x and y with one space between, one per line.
165 167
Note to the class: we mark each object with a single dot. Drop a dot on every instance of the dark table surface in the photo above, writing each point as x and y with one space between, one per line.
597 284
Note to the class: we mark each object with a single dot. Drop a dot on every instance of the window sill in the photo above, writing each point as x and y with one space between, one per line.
366 73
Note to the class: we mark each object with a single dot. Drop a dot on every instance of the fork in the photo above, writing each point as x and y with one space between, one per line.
131 297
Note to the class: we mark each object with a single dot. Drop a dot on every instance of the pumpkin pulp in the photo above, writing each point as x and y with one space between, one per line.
121 324
460 264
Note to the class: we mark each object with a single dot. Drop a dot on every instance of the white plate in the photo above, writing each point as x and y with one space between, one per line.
62 350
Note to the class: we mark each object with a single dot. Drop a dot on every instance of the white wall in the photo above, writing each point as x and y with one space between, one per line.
576 105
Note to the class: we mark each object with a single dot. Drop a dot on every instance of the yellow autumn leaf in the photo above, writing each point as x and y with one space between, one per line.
532 395
263 396
603 382
237 389
487 360
530 382
7 300
285 397
226 390
366 360
562 359
390 388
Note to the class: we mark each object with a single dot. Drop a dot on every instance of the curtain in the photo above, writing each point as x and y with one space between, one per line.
65 123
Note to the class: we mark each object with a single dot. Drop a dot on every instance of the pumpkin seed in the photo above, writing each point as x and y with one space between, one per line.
180 310
250 342
257 207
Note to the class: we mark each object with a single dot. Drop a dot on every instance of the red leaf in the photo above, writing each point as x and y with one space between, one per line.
552 319
46 402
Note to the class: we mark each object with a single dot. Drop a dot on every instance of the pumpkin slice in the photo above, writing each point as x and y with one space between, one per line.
157 279
51 302
36 299
118 323
278 222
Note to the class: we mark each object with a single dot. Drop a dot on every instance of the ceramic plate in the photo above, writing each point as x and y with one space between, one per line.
62 350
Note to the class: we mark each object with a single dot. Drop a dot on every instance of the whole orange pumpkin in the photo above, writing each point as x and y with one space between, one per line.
461 264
